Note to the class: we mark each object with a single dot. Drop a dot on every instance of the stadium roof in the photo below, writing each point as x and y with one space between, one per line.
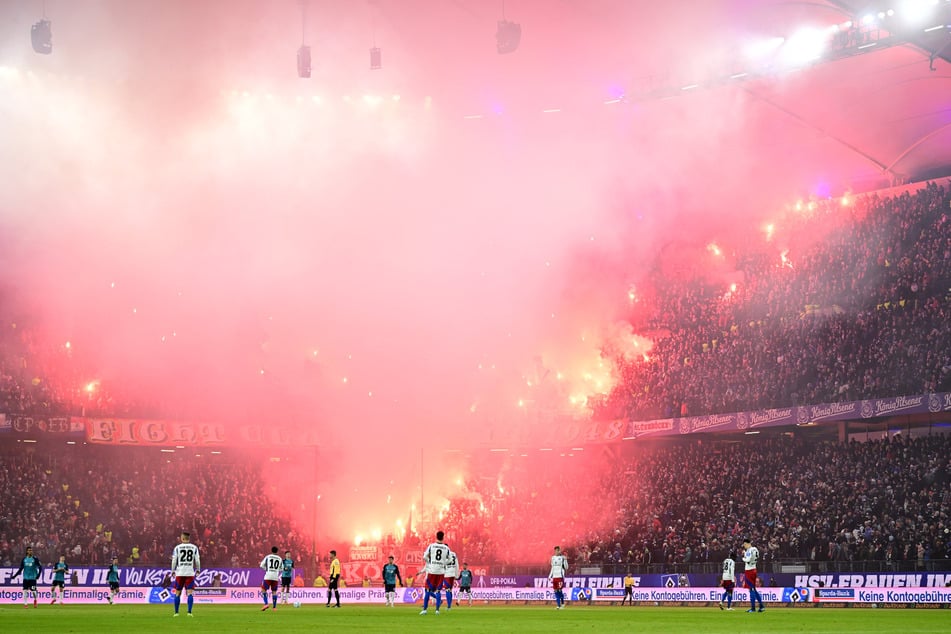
861 121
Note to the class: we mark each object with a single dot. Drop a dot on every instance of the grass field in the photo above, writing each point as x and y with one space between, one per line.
481 619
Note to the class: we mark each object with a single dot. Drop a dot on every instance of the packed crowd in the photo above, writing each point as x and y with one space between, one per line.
93 503
859 308
692 502
670 502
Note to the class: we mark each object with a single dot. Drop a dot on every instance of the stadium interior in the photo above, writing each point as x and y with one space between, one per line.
638 285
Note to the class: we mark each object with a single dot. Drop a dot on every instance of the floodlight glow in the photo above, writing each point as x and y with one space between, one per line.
916 11
805 46
763 48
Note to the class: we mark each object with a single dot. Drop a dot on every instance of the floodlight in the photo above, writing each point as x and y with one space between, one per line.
42 37
507 37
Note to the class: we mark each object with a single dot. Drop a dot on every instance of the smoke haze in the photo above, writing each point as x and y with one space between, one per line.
393 259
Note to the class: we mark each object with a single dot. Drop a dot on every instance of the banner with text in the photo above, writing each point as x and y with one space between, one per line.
162 433
657 596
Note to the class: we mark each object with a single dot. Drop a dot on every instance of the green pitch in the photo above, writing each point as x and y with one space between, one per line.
479 619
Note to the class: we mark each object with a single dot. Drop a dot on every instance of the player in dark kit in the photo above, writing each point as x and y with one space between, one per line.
60 570
112 578
287 576
465 583
391 573
31 568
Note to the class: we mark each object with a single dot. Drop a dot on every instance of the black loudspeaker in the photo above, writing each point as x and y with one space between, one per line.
507 37
42 37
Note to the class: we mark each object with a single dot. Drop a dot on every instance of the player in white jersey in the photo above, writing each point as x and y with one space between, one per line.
186 564
728 582
452 571
436 557
559 566
272 565
750 559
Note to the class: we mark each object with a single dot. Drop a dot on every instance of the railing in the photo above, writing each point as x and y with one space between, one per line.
793 566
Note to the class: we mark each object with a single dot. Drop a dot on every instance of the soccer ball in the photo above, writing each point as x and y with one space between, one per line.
296 604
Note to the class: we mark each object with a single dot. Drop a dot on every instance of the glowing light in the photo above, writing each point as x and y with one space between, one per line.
357 540
396 97
915 11
763 48
377 534
845 201
690 86
805 46
91 387
68 345
521 403
261 371
458 482
112 285
714 249
770 229
551 110
733 287
559 376
372 100
345 379
785 259
134 311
